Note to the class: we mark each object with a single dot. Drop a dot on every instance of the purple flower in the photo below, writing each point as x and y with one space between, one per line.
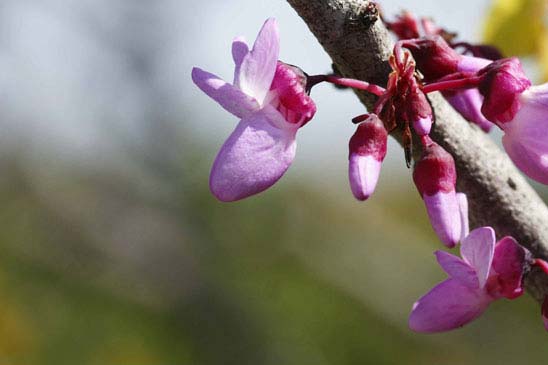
367 151
435 177
271 100
485 273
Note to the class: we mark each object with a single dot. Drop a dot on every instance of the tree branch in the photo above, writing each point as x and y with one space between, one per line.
499 196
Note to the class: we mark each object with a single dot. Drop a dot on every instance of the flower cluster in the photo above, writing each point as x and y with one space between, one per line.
272 100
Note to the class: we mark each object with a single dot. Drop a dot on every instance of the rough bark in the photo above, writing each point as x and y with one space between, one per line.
352 34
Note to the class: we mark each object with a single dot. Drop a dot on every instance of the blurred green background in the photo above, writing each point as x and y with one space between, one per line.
113 251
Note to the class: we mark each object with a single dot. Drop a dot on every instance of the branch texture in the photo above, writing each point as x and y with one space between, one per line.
352 34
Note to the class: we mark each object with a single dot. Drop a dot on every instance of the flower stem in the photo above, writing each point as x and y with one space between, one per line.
464 83
355 84
543 265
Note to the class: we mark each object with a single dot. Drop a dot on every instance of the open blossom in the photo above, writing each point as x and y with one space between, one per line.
271 100
435 177
486 272
367 151
521 111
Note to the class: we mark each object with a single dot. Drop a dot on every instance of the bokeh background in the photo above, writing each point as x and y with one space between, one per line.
113 251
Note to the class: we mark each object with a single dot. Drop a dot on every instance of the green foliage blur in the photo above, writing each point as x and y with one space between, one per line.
103 268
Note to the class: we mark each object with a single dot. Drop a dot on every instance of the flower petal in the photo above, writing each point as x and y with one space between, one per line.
463 210
363 174
252 159
526 137
258 66
508 263
229 97
468 104
447 306
458 269
477 250
443 211
240 49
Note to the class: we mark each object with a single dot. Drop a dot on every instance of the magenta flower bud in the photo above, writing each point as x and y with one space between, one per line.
503 83
405 26
419 111
435 177
434 57
367 151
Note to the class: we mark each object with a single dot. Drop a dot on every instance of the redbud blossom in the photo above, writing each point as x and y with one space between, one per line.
435 177
270 99
485 273
367 151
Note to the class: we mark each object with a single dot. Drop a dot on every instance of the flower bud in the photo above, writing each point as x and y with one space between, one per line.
502 85
435 177
419 111
434 57
367 151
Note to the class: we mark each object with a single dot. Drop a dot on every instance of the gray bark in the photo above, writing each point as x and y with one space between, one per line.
352 34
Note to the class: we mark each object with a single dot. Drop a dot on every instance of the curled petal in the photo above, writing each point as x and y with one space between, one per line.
508 264
240 49
458 269
363 173
463 210
472 64
443 211
447 306
258 66
526 137
228 96
252 159
477 250
468 104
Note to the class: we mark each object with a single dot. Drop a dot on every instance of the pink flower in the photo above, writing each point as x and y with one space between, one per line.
367 151
485 273
435 177
271 100
521 111
526 136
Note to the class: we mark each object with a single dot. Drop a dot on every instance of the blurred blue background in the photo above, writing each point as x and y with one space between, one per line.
114 252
